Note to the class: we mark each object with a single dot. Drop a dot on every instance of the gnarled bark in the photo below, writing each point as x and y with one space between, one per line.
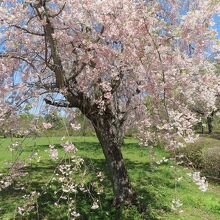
110 135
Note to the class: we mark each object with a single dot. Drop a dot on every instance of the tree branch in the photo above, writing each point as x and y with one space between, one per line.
28 31
60 103
57 63
4 55
59 12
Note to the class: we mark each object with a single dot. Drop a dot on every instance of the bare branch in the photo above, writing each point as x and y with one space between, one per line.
59 12
28 31
4 55
57 63
60 103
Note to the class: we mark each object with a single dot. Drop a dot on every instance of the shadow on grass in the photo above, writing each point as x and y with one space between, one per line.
139 173
214 135
81 145
146 180
84 146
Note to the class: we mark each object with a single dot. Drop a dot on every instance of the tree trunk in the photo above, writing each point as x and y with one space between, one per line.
209 122
110 135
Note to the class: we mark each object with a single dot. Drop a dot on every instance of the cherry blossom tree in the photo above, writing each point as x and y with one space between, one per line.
105 58
207 113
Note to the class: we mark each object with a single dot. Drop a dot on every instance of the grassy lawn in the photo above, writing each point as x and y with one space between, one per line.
154 183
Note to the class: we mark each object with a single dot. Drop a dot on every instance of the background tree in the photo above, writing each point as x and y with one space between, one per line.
105 57
55 119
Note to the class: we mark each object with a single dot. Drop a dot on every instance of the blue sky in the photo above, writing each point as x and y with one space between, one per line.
217 24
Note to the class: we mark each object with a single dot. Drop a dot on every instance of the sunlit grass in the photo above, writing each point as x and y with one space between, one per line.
154 183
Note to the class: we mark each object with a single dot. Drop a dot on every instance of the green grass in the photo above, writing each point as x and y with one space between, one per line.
207 140
154 183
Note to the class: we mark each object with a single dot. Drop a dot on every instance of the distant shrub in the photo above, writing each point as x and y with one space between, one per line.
202 158
131 132
211 162
193 153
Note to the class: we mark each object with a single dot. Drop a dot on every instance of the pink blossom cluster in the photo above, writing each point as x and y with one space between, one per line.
16 171
47 125
69 147
53 152
200 181
112 54
75 126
